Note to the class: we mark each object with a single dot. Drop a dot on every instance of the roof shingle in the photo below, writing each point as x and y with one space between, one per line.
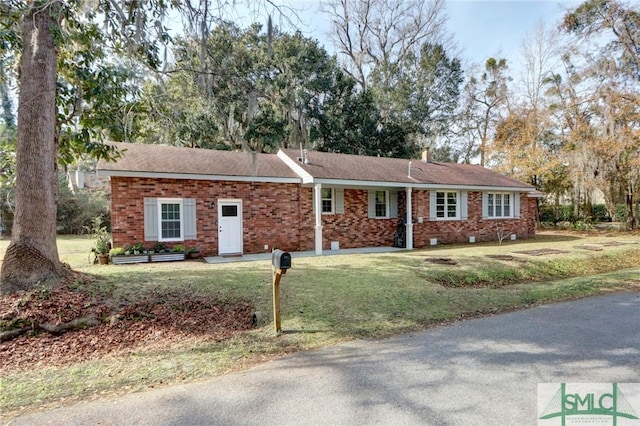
325 165
170 159
160 159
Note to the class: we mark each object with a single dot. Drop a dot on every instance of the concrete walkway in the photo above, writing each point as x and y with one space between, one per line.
479 372
298 254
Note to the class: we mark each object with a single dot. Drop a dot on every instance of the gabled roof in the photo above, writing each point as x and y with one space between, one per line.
326 167
145 160
156 161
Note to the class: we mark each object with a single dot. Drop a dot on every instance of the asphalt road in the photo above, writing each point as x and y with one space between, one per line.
477 372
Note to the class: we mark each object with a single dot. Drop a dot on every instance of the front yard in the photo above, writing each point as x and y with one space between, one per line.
180 331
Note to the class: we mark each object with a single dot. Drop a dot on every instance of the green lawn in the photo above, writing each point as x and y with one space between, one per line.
327 300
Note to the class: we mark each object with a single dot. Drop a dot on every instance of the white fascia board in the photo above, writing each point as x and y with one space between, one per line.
187 176
293 165
380 184
476 188
362 183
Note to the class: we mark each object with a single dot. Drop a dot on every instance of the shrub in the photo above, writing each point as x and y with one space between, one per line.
160 247
76 211
137 247
117 251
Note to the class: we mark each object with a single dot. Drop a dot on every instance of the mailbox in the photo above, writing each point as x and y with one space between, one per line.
280 259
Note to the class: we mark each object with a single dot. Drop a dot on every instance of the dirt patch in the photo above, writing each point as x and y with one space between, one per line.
541 252
613 243
506 257
591 247
441 260
120 329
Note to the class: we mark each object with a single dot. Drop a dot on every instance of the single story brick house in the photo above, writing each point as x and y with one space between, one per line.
231 203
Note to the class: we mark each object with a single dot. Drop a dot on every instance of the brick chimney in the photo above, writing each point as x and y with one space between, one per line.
426 156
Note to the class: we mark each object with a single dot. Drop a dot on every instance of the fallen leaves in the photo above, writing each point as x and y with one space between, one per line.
121 328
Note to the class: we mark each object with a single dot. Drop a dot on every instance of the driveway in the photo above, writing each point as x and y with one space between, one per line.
481 372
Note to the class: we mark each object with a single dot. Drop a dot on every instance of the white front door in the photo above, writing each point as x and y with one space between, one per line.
229 227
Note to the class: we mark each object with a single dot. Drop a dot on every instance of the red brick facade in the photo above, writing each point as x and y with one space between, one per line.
457 231
281 215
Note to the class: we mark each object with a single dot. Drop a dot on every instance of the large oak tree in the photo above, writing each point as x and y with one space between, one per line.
69 92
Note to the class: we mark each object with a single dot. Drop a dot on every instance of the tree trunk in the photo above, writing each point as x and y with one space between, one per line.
32 257
629 203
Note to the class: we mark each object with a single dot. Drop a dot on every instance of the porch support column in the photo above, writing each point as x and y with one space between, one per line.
317 198
409 225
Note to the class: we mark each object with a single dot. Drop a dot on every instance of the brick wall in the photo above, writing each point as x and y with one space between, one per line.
271 212
452 231
281 215
354 228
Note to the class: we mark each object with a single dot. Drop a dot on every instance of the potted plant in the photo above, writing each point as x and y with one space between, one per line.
101 249
160 248
193 252
102 240
163 254
122 255
117 251
137 248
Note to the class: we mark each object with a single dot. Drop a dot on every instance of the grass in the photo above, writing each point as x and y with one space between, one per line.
325 301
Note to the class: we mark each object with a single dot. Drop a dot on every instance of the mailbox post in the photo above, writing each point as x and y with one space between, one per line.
280 262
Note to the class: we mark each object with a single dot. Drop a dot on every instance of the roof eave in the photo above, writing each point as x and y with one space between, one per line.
415 185
155 175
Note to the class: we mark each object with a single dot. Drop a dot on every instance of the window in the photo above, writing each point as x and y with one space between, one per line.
446 205
230 211
499 205
381 204
327 200
170 220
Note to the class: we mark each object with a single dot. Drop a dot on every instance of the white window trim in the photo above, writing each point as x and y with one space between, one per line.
511 205
458 201
333 201
386 200
178 201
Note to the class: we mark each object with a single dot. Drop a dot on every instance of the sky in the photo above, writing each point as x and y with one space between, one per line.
498 28
482 29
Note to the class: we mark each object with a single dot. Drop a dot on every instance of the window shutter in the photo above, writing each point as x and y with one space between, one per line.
151 219
372 204
339 193
464 205
393 204
313 202
190 224
485 205
516 205
432 205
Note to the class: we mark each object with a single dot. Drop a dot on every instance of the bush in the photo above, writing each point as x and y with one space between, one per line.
599 213
565 213
159 247
118 251
77 211
137 247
